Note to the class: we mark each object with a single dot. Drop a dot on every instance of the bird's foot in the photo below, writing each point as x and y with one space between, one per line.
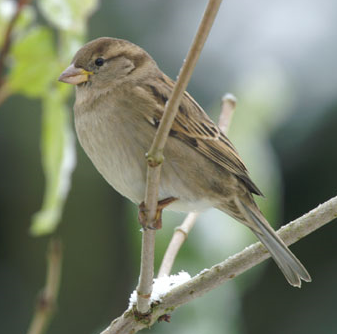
157 222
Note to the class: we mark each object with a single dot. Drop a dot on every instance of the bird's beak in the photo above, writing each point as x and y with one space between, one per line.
74 75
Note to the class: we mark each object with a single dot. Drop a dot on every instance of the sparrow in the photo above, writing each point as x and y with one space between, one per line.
120 99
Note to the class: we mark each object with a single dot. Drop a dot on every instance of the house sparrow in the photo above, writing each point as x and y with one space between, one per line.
120 99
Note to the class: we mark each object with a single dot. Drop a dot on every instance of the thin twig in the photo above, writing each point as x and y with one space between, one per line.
226 270
228 108
179 237
47 299
180 234
155 155
7 41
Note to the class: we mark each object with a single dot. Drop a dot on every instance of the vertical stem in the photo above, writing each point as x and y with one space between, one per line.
144 289
155 155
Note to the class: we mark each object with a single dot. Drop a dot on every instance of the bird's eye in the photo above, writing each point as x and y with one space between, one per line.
99 61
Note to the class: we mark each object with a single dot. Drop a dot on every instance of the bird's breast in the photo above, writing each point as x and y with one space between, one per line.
112 145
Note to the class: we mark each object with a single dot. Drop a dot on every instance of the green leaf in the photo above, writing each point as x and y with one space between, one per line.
68 15
58 159
35 64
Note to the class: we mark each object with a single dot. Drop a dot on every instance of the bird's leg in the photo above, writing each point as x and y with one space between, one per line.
142 213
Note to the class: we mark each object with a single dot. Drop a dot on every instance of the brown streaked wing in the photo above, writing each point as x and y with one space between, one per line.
193 126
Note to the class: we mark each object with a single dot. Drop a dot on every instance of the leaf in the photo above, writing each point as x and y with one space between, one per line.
58 160
35 64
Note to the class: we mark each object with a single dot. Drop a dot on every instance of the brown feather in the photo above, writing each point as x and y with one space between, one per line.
193 126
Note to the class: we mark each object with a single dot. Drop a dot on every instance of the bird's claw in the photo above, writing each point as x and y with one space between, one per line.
157 222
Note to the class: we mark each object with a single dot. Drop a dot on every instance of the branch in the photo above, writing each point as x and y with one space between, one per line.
144 288
228 108
179 237
181 232
225 271
47 300
155 155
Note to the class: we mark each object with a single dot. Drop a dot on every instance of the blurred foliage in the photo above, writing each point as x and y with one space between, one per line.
35 63
58 159
33 60
287 142
70 15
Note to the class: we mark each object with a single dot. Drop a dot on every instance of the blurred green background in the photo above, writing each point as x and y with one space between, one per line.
279 59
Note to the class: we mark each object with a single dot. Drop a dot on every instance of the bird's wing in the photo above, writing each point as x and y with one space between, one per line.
195 128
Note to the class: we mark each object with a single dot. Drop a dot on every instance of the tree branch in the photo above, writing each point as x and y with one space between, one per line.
47 299
227 111
225 271
179 237
144 288
155 155
181 232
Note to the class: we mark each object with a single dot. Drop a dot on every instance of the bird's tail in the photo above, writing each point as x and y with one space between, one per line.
290 266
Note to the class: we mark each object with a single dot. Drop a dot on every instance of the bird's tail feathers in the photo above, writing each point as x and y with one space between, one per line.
288 263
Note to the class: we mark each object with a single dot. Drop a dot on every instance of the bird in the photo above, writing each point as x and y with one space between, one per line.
120 99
